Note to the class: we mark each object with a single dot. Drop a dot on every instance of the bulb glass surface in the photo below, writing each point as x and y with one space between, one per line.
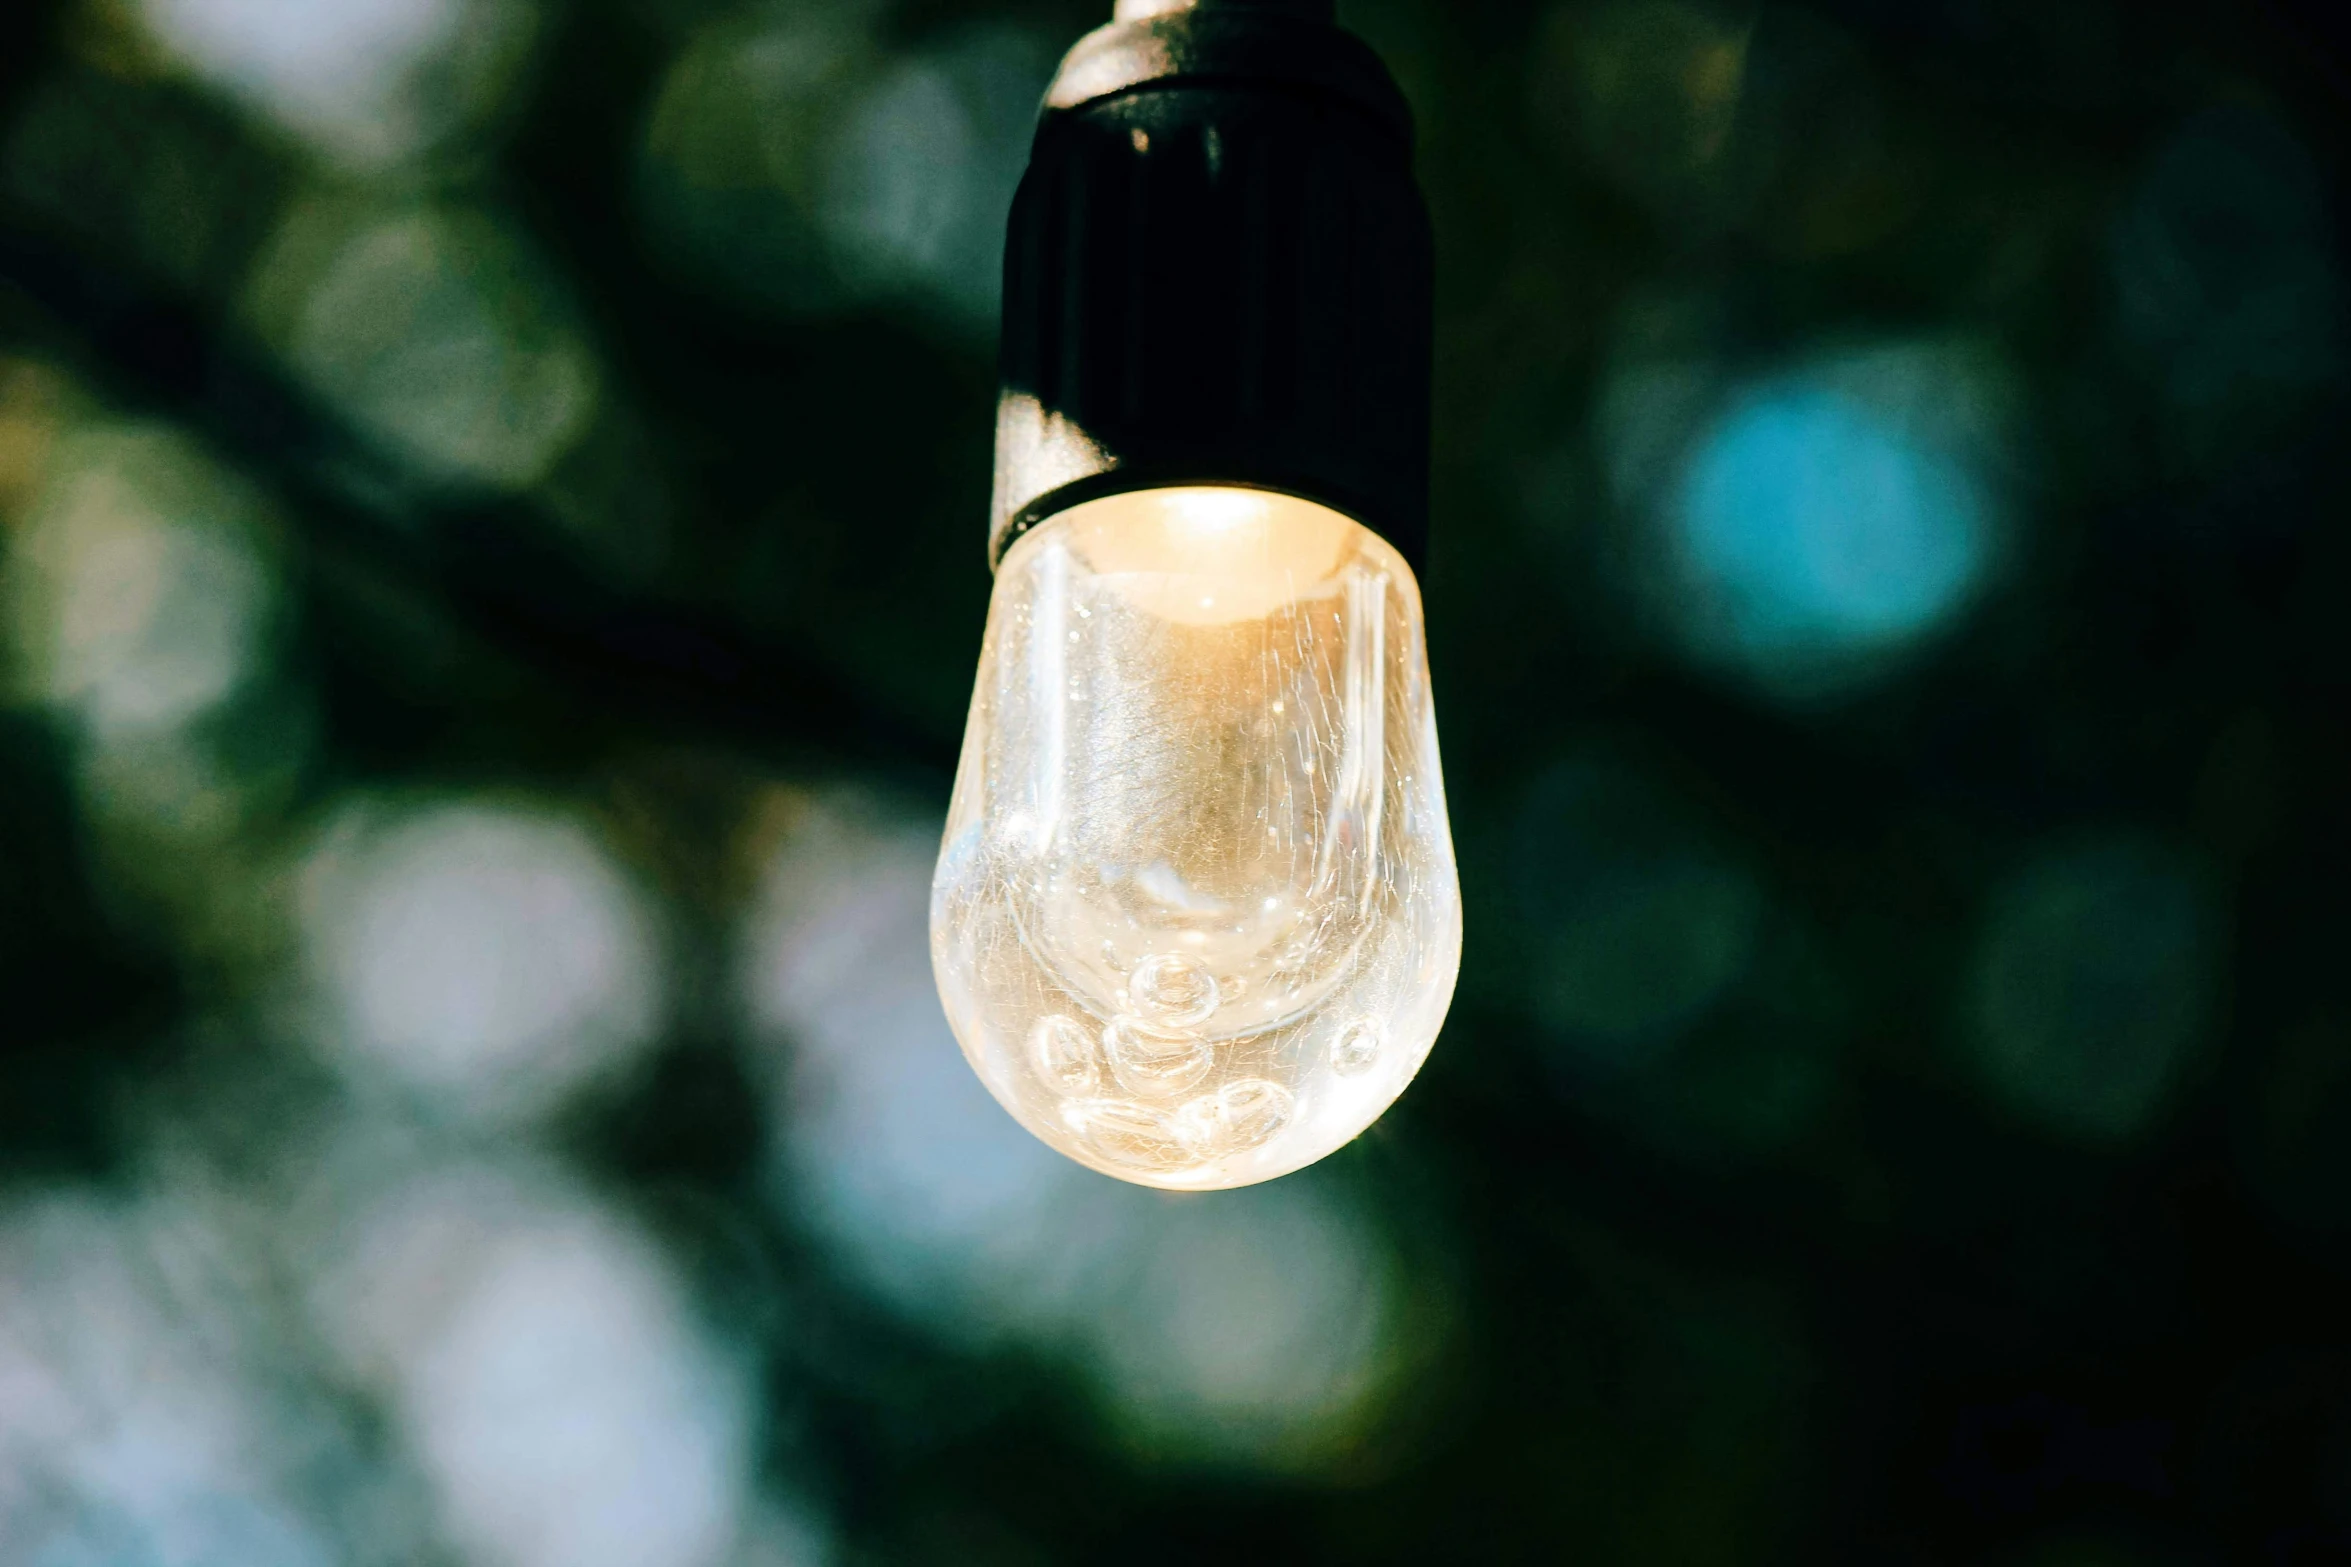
1196 922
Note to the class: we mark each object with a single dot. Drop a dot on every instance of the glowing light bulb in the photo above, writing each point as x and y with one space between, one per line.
1197 922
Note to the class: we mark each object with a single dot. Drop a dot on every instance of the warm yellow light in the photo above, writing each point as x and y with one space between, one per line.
1196 922
1208 557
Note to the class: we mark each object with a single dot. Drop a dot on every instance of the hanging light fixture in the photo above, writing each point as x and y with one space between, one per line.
1196 922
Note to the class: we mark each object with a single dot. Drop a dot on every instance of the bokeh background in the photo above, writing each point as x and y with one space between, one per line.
493 497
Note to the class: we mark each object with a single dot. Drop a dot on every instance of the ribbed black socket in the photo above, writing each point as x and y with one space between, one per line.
1219 272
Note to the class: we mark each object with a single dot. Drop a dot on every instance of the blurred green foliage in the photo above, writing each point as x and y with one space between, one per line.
494 496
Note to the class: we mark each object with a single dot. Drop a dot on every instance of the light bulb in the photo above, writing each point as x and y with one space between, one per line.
1196 922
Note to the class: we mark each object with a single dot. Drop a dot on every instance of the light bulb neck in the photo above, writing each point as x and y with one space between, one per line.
1311 10
1219 272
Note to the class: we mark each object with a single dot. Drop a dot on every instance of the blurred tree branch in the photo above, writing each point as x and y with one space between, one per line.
493 561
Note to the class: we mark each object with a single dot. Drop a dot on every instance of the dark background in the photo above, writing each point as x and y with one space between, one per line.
494 500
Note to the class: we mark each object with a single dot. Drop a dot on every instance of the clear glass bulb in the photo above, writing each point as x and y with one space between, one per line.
1196 922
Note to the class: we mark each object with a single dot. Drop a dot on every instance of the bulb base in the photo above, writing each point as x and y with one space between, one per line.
1219 273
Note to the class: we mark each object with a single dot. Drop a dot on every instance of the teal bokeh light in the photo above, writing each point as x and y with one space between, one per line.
2094 985
1827 520
1821 525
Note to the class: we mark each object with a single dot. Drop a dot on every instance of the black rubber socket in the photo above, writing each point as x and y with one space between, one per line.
1219 272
